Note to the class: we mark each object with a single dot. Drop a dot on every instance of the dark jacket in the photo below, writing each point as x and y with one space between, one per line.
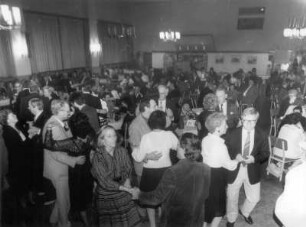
232 114
92 115
260 153
182 191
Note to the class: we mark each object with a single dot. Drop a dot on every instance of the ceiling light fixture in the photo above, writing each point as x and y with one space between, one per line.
169 35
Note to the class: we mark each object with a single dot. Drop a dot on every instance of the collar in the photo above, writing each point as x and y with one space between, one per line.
37 115
85 92
60 121
215 137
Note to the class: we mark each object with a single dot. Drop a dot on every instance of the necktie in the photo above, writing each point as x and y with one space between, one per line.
221 108
246 147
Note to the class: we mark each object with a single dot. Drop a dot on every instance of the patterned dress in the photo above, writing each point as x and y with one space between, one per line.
114 207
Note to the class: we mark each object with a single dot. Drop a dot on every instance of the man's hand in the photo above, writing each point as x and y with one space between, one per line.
127 183
239 158
250 159
80 160
154 156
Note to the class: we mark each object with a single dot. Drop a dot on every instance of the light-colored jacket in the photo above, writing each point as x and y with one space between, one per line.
56 163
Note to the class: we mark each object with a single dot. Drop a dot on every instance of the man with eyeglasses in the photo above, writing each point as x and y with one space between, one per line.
56 163
252 143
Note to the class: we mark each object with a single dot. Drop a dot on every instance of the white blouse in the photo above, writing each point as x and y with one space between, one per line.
215 153
291 205
160 141
294 136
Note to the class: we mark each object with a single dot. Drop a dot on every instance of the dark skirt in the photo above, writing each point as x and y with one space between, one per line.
150 178
149 181
215 204
81 187
116 209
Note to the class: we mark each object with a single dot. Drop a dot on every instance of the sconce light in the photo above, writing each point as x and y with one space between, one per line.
95 48
10 17
20 47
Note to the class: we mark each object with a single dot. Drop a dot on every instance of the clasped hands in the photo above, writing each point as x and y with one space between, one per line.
245 160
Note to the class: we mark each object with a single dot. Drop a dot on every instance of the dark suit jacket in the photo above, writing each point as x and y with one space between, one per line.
25 114
17 104
232 114
260 153
173 107
92 115
182 191
40 123
250 97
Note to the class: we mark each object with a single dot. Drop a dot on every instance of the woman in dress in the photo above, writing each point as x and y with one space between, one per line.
18 150
162 142
215 155
111 168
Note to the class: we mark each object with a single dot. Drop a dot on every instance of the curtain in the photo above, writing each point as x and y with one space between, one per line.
7 67
117 46
44 42
73 42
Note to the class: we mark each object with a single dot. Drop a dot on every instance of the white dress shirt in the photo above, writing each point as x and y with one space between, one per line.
162 105
243 140
224 108
215 153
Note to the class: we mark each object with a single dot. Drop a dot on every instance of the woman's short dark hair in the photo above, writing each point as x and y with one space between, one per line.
192 145
210 101
4 116
157 120
292 119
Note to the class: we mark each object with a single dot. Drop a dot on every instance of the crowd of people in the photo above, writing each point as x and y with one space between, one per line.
176 147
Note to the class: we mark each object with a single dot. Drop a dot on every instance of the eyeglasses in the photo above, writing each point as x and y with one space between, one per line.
249 121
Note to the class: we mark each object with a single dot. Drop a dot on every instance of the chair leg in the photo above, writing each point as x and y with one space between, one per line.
282 171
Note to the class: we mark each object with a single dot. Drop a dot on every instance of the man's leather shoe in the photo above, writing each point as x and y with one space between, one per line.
248 220
230 224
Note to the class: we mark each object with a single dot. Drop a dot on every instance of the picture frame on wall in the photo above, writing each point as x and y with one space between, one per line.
219 59
235 59
252 60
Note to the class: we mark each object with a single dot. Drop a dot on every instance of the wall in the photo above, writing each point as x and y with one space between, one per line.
216 17
227 66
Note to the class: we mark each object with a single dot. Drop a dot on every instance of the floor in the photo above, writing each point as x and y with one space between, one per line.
262 215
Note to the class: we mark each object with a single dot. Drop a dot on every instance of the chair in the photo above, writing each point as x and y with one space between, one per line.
276 164
274 122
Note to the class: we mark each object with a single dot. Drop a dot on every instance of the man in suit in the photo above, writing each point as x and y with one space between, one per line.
228 107
78 101
164 104
56 163
250 94
36 107
252 143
